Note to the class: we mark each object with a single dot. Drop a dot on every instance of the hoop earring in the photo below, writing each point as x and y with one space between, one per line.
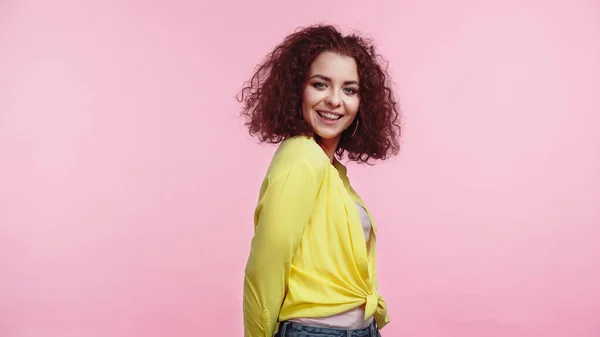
355 128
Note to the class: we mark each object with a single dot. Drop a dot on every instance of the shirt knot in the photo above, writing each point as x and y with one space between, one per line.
371 305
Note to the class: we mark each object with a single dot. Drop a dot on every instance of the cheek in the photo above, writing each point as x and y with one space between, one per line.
353 106
309 97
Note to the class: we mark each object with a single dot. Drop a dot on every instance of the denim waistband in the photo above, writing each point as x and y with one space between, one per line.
293 329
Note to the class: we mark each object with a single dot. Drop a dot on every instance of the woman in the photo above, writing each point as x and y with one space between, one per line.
311 268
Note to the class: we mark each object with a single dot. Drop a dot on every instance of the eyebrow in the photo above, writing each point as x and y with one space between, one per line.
325 78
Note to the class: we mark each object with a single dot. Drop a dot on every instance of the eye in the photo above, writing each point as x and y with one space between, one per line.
319 85
351 91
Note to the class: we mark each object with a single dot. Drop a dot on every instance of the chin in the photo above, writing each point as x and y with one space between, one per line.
328 135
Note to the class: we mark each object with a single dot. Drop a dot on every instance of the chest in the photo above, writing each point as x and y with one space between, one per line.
340 214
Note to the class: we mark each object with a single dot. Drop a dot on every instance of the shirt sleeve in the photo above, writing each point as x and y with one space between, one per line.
285 207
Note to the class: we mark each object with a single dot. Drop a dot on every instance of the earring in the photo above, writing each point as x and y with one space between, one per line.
355 128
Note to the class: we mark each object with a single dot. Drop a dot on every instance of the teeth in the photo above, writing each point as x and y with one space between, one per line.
329 115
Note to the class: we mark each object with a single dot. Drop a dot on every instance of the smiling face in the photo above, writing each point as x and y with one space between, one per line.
330 99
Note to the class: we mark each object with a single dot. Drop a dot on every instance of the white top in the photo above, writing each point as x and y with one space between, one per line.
365 221
354 318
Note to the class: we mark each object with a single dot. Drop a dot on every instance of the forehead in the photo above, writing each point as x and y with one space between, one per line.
335 66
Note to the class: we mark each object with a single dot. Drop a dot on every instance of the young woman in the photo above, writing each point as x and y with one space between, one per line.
311 268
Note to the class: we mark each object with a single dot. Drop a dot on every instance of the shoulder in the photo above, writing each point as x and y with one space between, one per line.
299 153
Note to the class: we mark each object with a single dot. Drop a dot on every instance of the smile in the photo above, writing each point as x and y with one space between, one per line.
329 115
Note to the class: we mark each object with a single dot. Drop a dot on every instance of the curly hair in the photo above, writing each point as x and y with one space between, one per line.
272 98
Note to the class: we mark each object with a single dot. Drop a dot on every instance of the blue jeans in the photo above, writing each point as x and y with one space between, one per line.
293 329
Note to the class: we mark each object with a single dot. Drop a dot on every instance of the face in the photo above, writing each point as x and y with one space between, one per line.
330 98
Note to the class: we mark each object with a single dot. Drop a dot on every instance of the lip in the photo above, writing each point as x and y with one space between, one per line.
327 121
331 112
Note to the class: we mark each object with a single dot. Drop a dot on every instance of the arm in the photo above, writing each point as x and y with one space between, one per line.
283 211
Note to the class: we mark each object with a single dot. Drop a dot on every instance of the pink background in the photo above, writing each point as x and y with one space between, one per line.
116 119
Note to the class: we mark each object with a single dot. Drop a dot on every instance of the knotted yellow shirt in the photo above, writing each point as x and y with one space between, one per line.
308 256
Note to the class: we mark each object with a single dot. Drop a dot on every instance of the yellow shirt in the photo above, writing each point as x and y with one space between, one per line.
308 256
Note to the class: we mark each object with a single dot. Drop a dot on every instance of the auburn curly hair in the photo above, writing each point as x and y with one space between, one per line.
272 98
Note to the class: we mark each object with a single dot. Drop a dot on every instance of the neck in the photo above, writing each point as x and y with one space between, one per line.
329 146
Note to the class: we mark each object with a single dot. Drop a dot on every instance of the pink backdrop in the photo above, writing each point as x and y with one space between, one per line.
116 119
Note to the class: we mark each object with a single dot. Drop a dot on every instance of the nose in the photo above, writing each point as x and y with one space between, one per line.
333 100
